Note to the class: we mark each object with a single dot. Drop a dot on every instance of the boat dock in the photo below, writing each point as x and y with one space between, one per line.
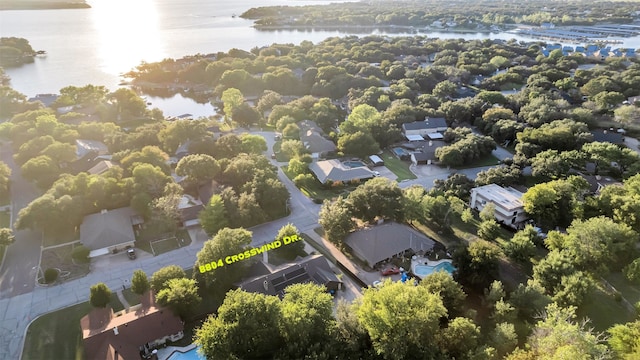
609 33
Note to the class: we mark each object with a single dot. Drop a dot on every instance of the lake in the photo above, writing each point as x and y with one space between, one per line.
95 46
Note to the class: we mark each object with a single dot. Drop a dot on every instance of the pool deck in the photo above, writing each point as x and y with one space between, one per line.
421 260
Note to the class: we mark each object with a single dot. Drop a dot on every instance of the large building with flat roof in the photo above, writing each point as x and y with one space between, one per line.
508 202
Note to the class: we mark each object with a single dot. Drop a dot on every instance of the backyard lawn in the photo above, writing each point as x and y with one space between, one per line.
397 166
488 160
317 191
5 219
604 310
58 335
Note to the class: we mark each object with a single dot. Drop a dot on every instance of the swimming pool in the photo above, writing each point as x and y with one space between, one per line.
189 355
354 164
424 270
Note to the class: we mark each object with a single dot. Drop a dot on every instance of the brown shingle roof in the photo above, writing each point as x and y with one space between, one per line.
134 330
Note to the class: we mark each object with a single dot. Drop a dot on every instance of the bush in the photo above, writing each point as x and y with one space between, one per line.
50 275
80 254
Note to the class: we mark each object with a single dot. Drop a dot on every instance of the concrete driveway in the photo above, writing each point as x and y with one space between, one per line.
385 172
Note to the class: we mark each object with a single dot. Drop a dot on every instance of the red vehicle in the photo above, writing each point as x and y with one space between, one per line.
390 271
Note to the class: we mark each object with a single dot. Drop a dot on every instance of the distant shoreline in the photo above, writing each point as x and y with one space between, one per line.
42 4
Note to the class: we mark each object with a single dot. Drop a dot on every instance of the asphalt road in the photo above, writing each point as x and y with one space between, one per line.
17 275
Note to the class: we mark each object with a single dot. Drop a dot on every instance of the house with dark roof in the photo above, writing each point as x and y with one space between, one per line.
313 139
133 335
422 128
335 171
190 208
311 269
610 136
426 151
109 231
379 243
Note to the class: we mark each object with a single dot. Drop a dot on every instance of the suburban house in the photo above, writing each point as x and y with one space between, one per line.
109 231
426 153
311 269
313 139
133 335
85 147
334 170
422 128
190 208
508 203
379 243
101 167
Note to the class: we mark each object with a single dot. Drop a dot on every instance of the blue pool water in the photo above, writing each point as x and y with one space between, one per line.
424 270
353 164
189 355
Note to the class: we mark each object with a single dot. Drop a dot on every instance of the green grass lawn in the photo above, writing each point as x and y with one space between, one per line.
488 160
604 310
630 291
58 335
5 199
397 166
5 219
131 297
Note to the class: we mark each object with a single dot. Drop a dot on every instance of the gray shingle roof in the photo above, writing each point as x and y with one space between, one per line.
380 242
107 228
429 123
334 170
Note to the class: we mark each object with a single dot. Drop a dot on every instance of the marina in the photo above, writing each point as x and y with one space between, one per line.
607 33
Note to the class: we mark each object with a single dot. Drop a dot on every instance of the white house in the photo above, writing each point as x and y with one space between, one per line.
508 202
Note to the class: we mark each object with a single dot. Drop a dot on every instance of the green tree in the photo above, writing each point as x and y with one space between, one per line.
139 282
451 293
198 168
231 98
625 340
358 144
477 264
213 217
42 170
560 336
307 321
503 338
99 295
632 271
522 245
5 179
6 237
160 278
180 295
459 339
253 144
150 179
212 263
489 230
402 320
378 197
595 243
225 335
336 220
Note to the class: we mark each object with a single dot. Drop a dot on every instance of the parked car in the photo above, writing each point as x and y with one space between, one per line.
390 271
131 253
377 284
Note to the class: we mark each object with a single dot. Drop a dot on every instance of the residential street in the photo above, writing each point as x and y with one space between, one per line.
20 306
18 272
